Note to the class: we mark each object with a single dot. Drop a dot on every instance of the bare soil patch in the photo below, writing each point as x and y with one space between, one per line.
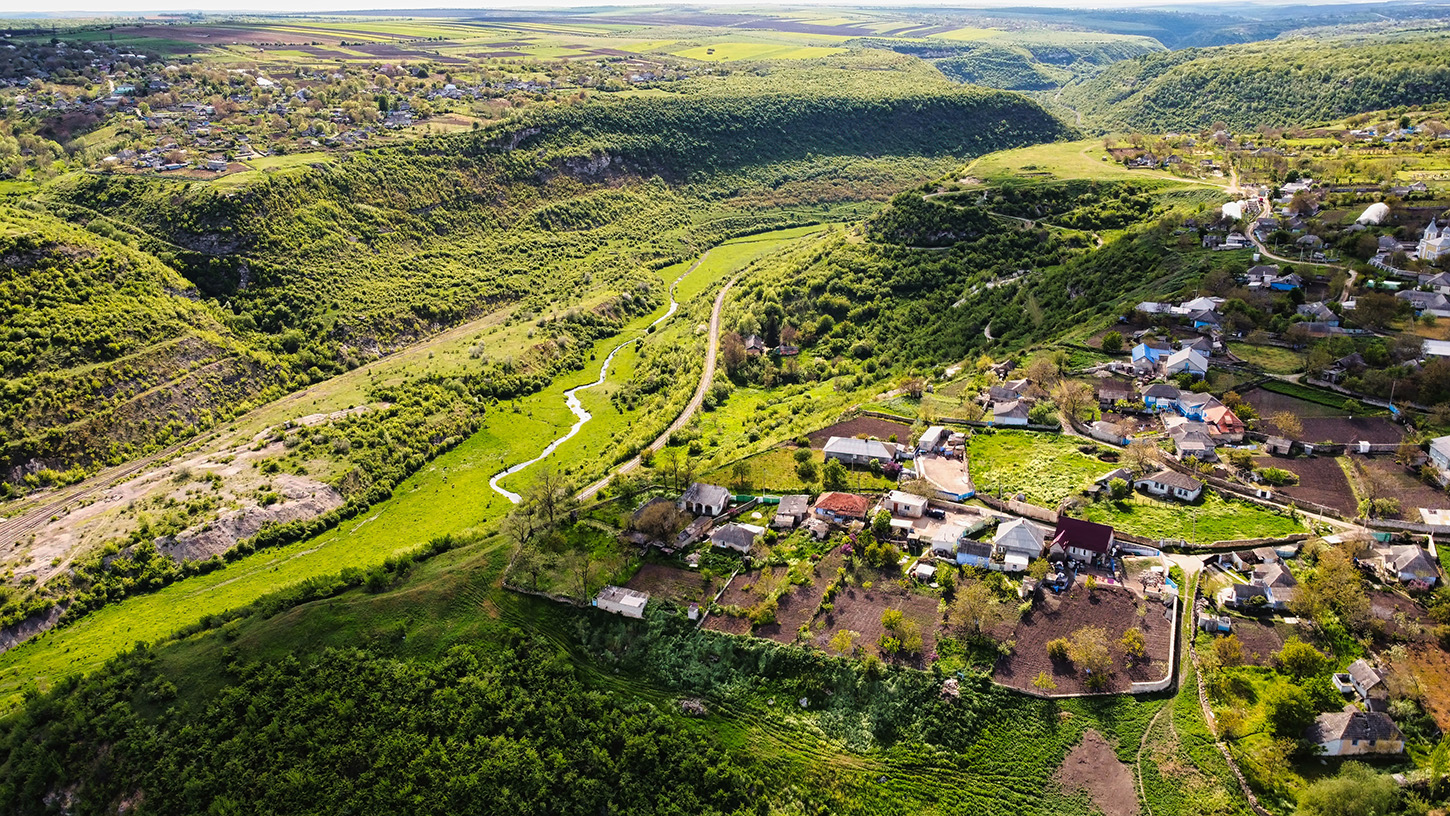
870 426
1321 422
674 584
1403 485
1403 617
796 608
1321 480
1115 609
1092 766
1260 640
859 610
1433 666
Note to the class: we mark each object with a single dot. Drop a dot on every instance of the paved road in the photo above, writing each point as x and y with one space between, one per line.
707 376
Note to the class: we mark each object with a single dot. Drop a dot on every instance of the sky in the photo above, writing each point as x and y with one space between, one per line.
26 8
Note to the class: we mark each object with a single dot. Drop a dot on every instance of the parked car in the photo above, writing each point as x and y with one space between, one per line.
936 513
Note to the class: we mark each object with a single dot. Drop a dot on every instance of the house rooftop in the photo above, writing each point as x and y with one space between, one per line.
1355 726
624 596
795 505
1083 534
851 446
843 504
702 493
1173 478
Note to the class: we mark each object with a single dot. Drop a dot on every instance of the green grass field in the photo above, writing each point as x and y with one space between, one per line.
774 471
1212 518
1067 160
1046 467
1272 359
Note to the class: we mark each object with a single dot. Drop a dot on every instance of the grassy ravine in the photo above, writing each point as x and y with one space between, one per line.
450 495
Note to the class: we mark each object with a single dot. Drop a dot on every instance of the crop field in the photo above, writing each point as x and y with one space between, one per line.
726 51
1046 467
677 585
1322 422
1260 638
1212 518
1115 609
859 609
875 427
1321 480
1395 481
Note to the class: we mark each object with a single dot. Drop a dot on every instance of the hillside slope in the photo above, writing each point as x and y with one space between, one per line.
324 270
1273 83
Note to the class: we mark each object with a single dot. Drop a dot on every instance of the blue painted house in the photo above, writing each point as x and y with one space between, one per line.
1152 351
1286 283
1161 397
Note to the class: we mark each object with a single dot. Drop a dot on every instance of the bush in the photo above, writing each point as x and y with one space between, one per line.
1057 649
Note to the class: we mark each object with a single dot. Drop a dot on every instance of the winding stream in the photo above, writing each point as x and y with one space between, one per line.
571 398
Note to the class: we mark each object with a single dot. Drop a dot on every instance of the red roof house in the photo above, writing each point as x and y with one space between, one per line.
1083 540
842 506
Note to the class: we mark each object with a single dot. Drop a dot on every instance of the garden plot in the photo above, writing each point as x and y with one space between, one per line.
1115 609
675 584
859 609
862 426
1394 480
1321 480
1211 518
796 607
1403 618
1260 639
1322 423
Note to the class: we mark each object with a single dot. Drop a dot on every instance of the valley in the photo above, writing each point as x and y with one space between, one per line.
656 410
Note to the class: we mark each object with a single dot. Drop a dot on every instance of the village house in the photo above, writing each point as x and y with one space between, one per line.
1186 361
1222 420
1318 312
791 511
1353 732
735 536
1432 302
1192 439
1365 681
851 451
1108 432
704 499
1160 397
1278 582
1017 543
1171 484
1010 414
1111 392
622 601
754 346
1013 390
1408 563
1153 351
841 508
1440 457
1193 406
906 505
1082 540
944 541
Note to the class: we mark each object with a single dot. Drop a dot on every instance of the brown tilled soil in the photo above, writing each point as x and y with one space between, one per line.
1092 766
674 584
1114 609
1433 666
1321 480
860 610
1260 640
1403 485
1322 423
798 606
871 426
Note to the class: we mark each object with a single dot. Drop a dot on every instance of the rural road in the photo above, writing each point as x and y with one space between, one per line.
707 375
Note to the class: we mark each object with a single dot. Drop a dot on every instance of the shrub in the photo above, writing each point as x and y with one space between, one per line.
1057 649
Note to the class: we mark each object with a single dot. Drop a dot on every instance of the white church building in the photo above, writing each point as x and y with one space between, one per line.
1435 244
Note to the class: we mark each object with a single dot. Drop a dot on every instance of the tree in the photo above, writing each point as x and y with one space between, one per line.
1300 660
833 475
1112 342
1135 646
1142 455
1038 569
844 642
1229 651
660 521
1288 710
1044 682
1088 650
1072 397
881 525
1287 423
740 473
1119 489
913 387
1058 649
1091 583
1043 370
531 561
668 463
1041 414
551 495
976 608
806 470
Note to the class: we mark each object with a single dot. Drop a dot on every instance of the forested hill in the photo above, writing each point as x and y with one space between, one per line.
1277 83
320 270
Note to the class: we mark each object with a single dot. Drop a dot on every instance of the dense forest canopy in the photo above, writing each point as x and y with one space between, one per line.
1295 82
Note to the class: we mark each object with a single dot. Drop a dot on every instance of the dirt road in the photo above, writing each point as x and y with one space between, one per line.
707 375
